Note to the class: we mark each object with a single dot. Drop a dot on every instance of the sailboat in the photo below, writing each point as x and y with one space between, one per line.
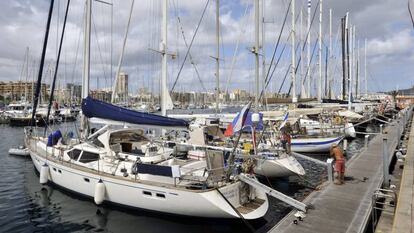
108 167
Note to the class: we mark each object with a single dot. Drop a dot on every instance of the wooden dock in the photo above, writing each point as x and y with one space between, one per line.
347 208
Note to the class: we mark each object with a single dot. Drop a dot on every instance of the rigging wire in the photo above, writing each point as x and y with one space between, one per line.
191 57
42 61
191 44
267 80
411 15
276 47
99 49
52 90
236 51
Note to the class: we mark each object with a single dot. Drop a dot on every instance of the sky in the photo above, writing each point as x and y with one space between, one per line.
385 24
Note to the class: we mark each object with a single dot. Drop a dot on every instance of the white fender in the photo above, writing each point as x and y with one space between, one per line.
99 192
44 174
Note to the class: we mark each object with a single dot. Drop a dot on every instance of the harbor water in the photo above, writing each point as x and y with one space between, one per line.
27 206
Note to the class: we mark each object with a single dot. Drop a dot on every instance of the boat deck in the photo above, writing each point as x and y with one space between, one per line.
346 208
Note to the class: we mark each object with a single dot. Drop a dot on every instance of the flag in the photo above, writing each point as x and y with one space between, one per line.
238 122
285 118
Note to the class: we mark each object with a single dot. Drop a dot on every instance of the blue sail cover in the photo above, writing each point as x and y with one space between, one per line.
99 109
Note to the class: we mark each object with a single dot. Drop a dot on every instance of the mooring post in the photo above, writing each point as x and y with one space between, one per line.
381 125
366 141
330 170
385 162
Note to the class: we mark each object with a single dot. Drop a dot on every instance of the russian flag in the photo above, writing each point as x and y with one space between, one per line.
238 122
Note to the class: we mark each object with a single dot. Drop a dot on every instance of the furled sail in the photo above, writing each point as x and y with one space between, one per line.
93 108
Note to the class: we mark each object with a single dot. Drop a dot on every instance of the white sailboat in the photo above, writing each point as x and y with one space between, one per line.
108 167
314 144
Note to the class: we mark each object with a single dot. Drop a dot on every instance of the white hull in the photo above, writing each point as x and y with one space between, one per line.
314 145
127 192
281 167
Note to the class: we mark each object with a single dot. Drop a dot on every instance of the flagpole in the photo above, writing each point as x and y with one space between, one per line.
242 117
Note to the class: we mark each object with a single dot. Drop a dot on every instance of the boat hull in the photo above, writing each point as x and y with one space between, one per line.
314 145
209 203
281 167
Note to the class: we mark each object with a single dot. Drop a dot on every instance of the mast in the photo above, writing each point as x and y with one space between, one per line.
86 65
347 50
293 67
365 67
164 58
320 53
262 22
302 76
357 92
328 74
218 55
350 62
309 49
27 76
256 51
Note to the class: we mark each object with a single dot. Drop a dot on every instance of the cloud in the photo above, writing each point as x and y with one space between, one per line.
385 23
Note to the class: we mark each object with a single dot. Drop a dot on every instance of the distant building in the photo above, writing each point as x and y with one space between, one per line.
17 90
122 86
75 92
101 94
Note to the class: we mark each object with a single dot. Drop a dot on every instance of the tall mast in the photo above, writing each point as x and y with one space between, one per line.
27 75
262 26
330 82
320 53
357 92
256 51
350 61
164 58
347 50
309 50
86 65
302 76
365 67
218 55
293 67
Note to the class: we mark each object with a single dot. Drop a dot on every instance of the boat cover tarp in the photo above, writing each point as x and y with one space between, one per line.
99 109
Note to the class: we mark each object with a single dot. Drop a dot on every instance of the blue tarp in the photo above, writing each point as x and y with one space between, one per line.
99 109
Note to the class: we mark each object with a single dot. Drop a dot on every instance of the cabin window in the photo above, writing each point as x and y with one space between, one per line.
160 195
148 193
74 154
88 157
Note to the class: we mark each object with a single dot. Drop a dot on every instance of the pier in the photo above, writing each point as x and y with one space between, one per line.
348 207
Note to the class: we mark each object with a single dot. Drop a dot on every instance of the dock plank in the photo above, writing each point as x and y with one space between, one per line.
346 208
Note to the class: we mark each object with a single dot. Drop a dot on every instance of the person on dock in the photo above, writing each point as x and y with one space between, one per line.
337 153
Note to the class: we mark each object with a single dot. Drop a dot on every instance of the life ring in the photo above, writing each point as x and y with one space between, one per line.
338 120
